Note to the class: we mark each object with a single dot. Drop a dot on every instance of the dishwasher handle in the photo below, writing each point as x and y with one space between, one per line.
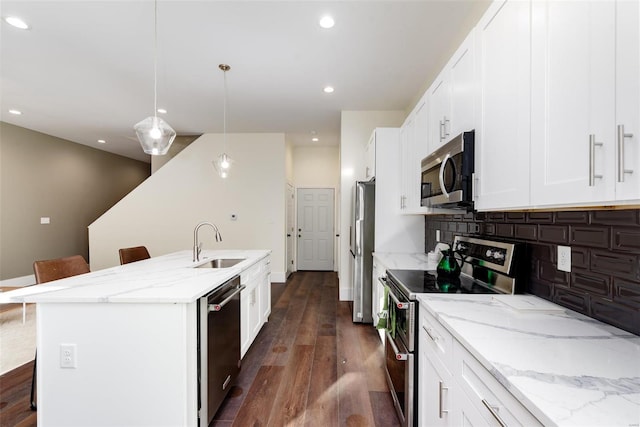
218 307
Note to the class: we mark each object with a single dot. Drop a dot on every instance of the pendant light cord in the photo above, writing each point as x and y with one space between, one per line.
224 114
155 58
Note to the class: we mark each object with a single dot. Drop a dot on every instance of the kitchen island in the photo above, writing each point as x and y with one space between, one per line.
133 335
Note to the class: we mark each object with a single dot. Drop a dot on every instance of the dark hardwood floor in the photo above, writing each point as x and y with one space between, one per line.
310 365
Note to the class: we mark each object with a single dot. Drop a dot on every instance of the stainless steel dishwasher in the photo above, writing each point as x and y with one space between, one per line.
218 345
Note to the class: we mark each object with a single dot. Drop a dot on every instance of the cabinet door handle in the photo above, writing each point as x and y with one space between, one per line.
592 159
494 413
621 137
441 130
444 126
429 333
440 410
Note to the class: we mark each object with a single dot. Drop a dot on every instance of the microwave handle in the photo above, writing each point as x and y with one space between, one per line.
441 175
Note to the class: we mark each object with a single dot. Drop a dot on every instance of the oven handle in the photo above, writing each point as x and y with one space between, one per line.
441 175
399 356
401 305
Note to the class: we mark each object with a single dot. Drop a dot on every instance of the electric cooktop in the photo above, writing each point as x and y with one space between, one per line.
414 282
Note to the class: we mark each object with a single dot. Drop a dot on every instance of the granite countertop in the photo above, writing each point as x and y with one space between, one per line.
169 278
565 368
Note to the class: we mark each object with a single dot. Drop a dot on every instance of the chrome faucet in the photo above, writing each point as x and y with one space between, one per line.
197 247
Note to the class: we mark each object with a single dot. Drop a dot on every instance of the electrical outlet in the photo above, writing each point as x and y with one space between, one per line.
68 357
564 258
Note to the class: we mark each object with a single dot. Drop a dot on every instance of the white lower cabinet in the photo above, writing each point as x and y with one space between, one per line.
255 302
436 383
455 389
494 402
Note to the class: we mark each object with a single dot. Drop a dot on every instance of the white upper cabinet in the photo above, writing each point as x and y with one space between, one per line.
573 102
628 100
463 88
413 145
439 95
370 158
451 97
585 103
503 104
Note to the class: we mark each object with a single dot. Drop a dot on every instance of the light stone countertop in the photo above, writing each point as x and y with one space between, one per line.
410 261
565 368
169 278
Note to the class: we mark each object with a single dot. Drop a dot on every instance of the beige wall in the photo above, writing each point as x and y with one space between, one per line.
162 212
316 166
356 128
179 143
289 161
44 176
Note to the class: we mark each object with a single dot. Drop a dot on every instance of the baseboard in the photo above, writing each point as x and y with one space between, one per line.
346 294
19 281
278 277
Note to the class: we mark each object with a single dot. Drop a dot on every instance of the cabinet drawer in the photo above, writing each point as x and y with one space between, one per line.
251 273
437 340
494 402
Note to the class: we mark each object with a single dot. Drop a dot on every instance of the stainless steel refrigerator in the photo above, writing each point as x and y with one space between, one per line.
362 244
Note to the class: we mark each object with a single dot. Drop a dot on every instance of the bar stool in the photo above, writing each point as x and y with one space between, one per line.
137 253
47 271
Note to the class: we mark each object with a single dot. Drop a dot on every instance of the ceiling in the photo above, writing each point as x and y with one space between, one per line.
84 69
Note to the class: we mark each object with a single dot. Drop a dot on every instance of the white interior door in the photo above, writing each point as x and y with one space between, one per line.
291 231
315 229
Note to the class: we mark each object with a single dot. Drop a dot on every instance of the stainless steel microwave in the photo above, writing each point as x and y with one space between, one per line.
447 174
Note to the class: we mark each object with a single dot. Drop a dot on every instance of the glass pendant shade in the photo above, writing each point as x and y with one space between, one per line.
155 135
222 164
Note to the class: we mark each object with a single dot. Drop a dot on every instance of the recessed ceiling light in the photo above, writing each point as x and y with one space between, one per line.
15 112
328 89
162 111
327 22
102 141
315 139
16 22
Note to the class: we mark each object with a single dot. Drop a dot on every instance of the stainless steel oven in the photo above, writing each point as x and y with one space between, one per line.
400 350
489 267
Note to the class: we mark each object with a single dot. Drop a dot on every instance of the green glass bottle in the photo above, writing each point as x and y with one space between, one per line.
448 265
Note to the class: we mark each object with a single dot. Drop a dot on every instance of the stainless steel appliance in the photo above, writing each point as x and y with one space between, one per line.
489 267
218 346
447 174
362 244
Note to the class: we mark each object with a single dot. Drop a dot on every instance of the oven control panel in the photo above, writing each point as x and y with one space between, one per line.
495 255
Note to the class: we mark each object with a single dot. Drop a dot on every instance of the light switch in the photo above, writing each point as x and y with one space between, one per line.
45 220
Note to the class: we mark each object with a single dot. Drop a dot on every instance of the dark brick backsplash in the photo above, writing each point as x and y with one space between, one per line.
605 256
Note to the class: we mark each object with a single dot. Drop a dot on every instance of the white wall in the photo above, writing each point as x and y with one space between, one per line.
162 212
319 167
356 128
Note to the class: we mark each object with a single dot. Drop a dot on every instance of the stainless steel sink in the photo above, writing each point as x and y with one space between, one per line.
221 263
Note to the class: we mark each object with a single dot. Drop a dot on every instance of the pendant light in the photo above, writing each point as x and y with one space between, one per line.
155 135
223 162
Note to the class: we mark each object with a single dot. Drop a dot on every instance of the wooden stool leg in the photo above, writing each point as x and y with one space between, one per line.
33 383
